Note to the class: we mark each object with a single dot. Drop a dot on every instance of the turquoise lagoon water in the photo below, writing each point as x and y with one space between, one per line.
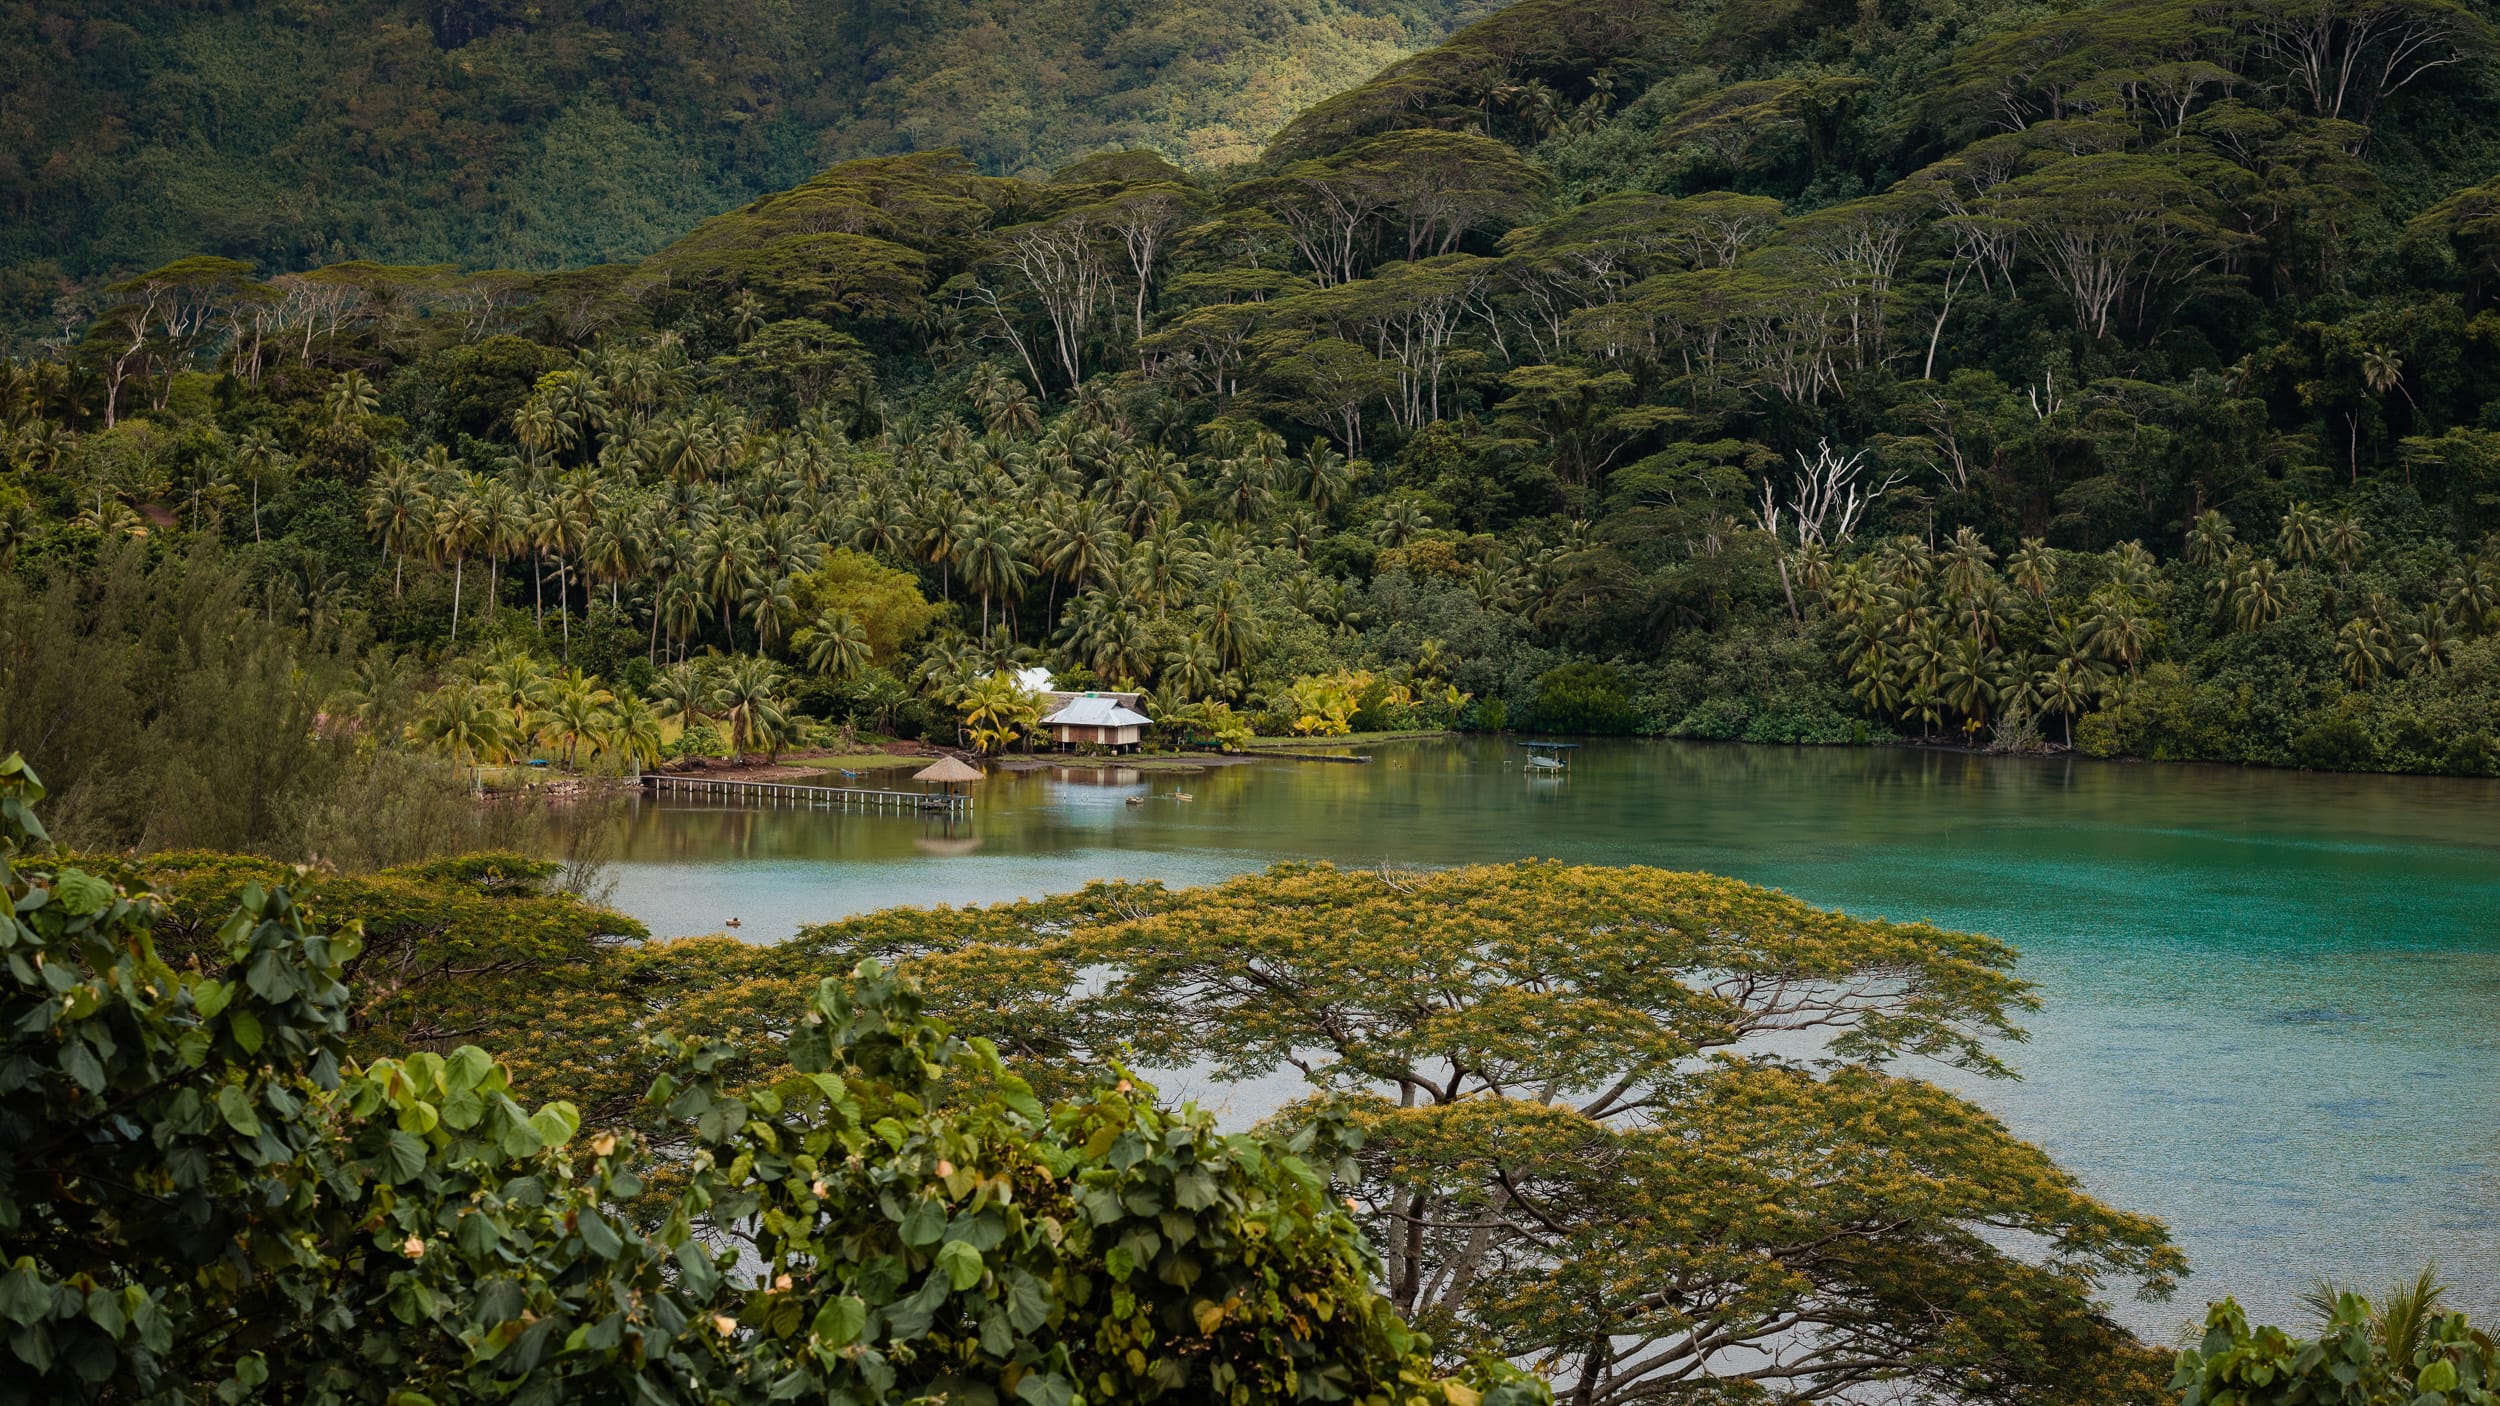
2271 1000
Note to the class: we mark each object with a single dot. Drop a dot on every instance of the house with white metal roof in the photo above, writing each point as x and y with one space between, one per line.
1098 720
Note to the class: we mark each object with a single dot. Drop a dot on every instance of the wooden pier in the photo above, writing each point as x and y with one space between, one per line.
775 794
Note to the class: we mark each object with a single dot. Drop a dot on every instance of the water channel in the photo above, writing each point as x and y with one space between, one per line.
2272 999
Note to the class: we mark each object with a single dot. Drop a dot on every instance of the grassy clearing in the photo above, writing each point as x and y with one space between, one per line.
856 761
1351 739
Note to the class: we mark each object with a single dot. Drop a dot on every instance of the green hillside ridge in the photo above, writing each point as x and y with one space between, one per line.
2124 377
490 133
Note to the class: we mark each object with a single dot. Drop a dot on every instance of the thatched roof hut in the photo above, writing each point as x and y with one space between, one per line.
946 771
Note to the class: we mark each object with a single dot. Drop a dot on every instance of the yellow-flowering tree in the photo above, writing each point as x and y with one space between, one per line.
1638 1127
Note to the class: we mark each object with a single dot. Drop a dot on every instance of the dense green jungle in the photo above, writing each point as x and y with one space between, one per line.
403 398
2120 379
497 133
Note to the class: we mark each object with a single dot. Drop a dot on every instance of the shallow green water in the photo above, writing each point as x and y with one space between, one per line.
2272 999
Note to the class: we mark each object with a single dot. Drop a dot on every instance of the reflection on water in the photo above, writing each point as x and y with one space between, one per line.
2269 996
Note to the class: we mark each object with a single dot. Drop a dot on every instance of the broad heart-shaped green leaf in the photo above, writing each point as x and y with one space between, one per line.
598 1235
247 1031
81 1065
924 1222
270 978
520 1139
721 1119
23 1294
908 1318
1045 1389
1028 1303
236 1107
81 894
403 1157
418 1116
839 1322
962 1264
555 1124
105 1310
467 1068
695 1270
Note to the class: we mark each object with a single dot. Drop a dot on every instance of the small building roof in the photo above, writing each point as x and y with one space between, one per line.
947 769
1035 679
1096 710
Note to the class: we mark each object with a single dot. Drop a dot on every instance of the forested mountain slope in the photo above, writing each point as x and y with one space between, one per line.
2123 376
496 133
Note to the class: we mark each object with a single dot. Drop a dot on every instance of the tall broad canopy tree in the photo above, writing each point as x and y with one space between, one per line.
1640 1128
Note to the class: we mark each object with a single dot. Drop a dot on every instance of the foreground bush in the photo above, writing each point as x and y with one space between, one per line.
2406 1353
202 1198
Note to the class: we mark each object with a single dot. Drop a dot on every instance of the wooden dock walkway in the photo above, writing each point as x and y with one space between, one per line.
783 793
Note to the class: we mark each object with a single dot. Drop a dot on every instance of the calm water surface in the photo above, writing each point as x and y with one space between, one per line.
2272 999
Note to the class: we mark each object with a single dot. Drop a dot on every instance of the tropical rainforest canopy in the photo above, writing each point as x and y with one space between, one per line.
2120 377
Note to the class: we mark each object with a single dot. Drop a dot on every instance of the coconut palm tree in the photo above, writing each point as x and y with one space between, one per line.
1122 647
464 722
1193 670
633 731
2210 540
1166 565
1077 544
2067 688
2132 568
560 527
724 561
458 529
397 510
519 686
2363 650
2259 595
350 398
1229 623
1968 564
682 693
1402 520
1245 487
833 646
2474 594
2426 646
990 551
997 710
1327 478
2118 630
1966 681
2346 539
682 607
577 712
507 532
2302 534
609 555
770 601
260 462
747 688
